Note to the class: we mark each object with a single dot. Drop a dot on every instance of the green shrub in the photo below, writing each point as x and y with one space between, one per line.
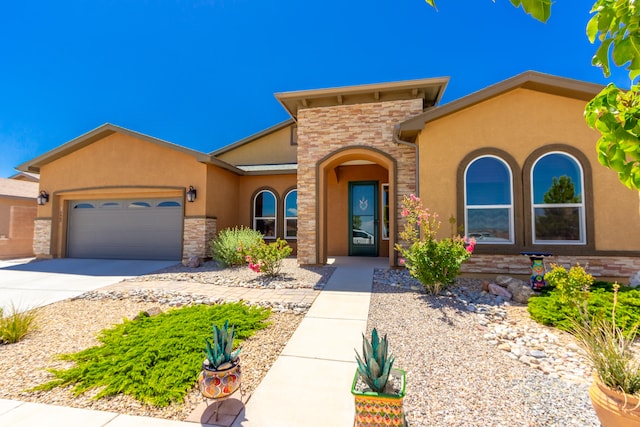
17 324
550 309
267 258
572 286
154 359
229 246
435 263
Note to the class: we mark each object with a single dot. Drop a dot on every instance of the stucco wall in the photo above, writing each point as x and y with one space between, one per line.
518 123
117 166
16 227
274 148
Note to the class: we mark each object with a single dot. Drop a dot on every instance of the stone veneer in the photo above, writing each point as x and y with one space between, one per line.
325 130
42 238
598 266
198 232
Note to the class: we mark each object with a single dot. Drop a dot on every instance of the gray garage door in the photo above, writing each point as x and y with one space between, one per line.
125 229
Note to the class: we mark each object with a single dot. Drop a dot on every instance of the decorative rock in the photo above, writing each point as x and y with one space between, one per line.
520 291
504 347
192 262
499 291
537 354
634 280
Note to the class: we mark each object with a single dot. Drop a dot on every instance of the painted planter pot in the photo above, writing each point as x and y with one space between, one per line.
379 409
613 408
215 384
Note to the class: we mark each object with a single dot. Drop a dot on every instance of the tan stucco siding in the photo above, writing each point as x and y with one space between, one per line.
222 196
16 227
250 185
519 123
274 148
118 166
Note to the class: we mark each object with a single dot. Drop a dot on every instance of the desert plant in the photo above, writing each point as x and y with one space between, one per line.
267 258
220 350
435 263
573 285
608 348
229 246
375 363
17 324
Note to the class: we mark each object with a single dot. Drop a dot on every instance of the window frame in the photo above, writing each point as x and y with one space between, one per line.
286 216
510 207
256 218
582 206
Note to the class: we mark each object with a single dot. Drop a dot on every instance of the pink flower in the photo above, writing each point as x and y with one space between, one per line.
469 244
414 198
255 267
239 248
401 261
405 212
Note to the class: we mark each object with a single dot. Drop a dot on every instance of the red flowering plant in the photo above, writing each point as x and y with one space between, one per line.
267 258
435 263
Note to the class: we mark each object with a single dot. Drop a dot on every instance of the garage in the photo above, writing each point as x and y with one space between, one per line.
125 229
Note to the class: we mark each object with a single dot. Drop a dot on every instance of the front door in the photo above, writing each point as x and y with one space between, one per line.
363 218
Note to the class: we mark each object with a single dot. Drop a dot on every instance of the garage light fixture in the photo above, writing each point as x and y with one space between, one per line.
42 198
191 194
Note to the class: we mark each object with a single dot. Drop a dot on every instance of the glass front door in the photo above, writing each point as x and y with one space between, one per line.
363 218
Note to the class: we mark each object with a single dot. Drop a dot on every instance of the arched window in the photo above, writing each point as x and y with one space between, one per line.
291 215
557 183
488 201
264 214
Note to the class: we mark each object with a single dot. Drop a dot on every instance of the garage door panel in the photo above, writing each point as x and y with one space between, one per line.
126 229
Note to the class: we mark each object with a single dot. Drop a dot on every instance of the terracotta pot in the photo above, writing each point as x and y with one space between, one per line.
215 384
379 409
614 408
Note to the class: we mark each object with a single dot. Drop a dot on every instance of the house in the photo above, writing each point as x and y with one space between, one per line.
17 214
514 164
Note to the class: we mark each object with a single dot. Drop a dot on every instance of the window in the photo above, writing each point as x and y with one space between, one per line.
84 206
385 211
264 214
291 215
168 204
139 205
558 207
488 200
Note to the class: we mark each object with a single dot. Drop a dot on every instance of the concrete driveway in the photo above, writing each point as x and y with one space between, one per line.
28 284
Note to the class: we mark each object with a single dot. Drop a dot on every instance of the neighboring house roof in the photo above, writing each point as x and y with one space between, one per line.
16 188
105 130
26 176
269 169
253 137
533 80
430 90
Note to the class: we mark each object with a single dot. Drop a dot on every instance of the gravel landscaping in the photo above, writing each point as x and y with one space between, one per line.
467 363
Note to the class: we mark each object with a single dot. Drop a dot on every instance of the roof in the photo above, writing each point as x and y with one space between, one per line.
105 130
253 137
26 176
16 188
533 80
430 90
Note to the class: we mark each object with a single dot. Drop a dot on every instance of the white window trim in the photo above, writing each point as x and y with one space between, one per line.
274 218
286 216
581 206
509 207
382 190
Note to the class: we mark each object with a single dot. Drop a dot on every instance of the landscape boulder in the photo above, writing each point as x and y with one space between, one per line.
520 290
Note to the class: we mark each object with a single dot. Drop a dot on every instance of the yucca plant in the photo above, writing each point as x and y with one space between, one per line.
220 351
375 364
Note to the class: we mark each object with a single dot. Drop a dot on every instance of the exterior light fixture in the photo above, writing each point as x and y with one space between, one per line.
191 194
42 198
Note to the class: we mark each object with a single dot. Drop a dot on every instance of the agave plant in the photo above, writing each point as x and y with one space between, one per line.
375 364
220 351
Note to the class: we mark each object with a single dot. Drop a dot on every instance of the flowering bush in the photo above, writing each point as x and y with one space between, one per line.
267 258
229 245
435 263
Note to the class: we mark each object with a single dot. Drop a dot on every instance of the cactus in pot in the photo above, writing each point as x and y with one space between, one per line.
379 404
220 375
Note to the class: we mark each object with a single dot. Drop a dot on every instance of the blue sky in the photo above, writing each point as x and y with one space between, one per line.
202 74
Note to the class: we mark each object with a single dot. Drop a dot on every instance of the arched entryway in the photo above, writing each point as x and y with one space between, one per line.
356 189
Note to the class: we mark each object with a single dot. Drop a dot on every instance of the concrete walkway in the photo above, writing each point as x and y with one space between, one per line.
308 385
